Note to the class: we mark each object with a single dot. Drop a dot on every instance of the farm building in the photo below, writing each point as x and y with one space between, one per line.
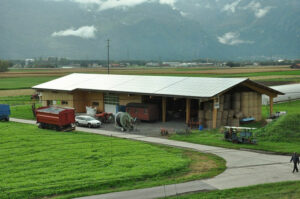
212 102
295 66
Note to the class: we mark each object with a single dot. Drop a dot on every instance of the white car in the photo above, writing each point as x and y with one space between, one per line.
85 120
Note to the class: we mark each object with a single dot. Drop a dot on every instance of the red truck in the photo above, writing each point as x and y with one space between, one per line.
58 118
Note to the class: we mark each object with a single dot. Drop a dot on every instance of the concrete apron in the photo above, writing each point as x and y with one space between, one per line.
244 168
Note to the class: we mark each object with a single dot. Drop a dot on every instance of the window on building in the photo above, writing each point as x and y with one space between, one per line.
95 104
49 102
63 102
111 98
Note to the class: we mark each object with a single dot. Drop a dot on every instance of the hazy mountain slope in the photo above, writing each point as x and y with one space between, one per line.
194 29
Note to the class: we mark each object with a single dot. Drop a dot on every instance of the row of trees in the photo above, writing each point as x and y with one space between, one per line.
4 65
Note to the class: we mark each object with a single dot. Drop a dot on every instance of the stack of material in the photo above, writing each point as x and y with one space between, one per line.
208 118
244 104
255 107
209 124
237 102
227 101
259 106
251 107
221 103
234 122
208 106
224 118
232 108
201 116
219 118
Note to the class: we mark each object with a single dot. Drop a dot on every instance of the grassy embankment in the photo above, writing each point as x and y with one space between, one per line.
280 136
282 190
36 163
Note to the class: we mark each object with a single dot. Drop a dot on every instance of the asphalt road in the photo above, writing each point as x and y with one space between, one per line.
244 168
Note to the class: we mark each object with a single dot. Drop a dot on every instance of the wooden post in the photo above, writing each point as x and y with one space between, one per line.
215 112
271 105
188 111
164 109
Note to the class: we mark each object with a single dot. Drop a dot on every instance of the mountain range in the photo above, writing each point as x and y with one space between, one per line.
150 29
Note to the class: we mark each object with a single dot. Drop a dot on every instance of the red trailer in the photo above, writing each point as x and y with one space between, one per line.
145 112
60 119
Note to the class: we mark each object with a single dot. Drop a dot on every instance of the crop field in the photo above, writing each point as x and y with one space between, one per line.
22 82
26 78
38 163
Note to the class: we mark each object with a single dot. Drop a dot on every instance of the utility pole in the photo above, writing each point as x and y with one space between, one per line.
108 56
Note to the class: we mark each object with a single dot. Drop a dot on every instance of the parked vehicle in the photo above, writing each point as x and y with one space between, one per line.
144 112
4 112
85 120
105 117
60 119
239 135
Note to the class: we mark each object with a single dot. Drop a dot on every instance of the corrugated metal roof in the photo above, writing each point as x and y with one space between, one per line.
291 92
200 87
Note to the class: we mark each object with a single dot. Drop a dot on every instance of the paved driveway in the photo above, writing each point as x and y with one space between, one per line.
244 168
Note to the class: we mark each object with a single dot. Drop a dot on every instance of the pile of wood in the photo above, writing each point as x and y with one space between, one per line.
232 108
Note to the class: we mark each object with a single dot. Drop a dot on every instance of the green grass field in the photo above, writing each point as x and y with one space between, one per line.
290 107
17 100
282 190
284 141
36 163
20 106
22 82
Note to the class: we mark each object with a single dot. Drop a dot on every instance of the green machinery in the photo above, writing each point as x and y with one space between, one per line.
239 135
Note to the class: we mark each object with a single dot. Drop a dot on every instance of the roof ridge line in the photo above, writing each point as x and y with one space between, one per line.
172 84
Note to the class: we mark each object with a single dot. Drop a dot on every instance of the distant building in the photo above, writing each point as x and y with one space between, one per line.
295 66
28 62
152 64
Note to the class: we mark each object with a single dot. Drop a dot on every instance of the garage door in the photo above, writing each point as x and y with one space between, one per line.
111 103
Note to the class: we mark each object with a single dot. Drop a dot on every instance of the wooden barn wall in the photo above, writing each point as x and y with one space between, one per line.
86 98
124 99
97 97
79 101
58 97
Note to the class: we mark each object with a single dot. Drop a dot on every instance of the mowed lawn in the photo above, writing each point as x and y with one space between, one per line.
282 190
36 163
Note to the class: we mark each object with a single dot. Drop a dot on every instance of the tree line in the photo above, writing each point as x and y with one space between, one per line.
4 65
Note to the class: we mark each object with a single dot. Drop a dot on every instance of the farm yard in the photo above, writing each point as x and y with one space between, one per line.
67 165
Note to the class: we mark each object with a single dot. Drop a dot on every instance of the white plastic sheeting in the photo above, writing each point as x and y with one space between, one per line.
156 85
292 92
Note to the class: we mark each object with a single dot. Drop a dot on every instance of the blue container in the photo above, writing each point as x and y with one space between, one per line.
200 127
4 112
